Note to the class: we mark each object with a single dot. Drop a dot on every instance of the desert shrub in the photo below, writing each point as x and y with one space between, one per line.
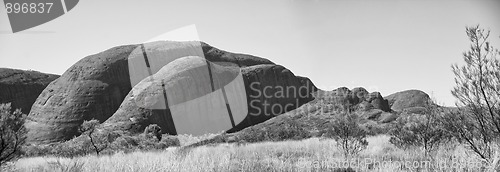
82 146
129 143
287 130
153 130
68 149
125 143
35 150
170 140
374 128
349 135
115 141
419 130
12 132
151 139
477 123
72 149
148 143
98 141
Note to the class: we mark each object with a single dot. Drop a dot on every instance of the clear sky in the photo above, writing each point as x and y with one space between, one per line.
384 45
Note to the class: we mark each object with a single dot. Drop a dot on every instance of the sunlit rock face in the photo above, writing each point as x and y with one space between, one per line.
360 99
99 86
21 88
94 87
408 99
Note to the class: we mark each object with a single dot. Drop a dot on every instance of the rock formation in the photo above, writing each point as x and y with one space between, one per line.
270 90
21 88
96 86
360 98
316 117
130 87
93 88
408 99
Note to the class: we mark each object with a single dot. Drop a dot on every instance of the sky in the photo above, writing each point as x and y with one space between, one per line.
384 45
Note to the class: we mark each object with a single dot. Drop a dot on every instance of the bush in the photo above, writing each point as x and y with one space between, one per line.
373 128
349 135
82 146
419 130
153 130
12 133
68 149
98 142
143 142
477 123
287 130
104 143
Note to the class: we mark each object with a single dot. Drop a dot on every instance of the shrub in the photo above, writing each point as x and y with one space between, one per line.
102 142
419 130
12 132
477 123
143 142
82 146
97 141
154 130
349 135
76 147
287 130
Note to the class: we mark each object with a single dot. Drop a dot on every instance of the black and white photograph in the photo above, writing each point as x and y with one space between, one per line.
250 86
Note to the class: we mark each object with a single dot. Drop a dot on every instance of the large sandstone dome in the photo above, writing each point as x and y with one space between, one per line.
248 103
21 88
189 95
408 99
99 87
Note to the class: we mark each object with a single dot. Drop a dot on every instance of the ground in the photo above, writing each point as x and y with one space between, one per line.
313 154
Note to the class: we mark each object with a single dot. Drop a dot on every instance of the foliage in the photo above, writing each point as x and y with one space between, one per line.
153 129
477 89
65 149
419 130
304 155
287 130
115 142
349 135
98 142
12 132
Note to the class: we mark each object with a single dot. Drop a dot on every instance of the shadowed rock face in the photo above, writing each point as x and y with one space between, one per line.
96 86
21 88
408 99
265 86
273 90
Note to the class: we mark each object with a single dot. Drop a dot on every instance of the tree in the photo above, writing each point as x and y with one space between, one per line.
88 128
349 135
12 132
477 89
419 130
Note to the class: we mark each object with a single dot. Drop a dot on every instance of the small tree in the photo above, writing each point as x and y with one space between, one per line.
349 135
419 130
12 132
477 123
88 128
